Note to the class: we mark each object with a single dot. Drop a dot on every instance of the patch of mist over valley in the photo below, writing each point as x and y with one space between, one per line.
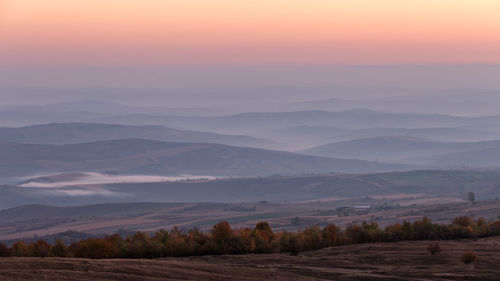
82 179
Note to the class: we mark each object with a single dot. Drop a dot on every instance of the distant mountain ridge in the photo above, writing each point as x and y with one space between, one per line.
263 121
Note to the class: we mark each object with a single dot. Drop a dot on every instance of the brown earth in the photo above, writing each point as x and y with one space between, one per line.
21 222
380 261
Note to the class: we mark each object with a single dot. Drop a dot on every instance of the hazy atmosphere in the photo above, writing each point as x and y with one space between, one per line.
249 140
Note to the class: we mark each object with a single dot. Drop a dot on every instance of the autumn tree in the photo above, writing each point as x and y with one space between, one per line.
290 243
312 238
40 249
95 248
20 249
222 232
330 235
265 230
222 239
4 250
59 249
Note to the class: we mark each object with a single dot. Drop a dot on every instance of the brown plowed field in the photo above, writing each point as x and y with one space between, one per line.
381 261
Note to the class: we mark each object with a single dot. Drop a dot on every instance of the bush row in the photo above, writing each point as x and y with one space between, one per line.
222 239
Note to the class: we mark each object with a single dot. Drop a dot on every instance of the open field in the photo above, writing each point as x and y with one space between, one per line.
27 221
287 203
380 261
276 189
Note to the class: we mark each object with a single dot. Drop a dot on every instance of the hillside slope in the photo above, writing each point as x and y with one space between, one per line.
71 133
138 156
258 121
482 158
301 136
380 261
450 184
397 149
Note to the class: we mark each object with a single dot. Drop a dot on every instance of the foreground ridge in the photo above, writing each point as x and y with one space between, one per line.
407 260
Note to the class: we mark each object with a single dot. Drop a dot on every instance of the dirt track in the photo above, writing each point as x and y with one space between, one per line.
382 261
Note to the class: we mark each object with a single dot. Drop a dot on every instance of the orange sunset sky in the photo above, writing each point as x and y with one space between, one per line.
151 32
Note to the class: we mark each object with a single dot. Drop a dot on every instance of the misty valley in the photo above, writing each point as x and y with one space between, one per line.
314 167
249 140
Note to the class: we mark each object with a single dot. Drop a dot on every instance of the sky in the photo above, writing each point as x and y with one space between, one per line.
120 38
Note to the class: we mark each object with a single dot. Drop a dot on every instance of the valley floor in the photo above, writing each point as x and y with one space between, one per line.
379 261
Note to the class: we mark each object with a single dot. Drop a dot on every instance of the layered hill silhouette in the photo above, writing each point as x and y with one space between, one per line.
481 158
70 133
412 150
139 156
319 135
258 121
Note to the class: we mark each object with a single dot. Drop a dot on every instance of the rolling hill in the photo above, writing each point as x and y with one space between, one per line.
260 121
301 136
439 184
400 149
84 111
138 156
482 158
71 133
362 262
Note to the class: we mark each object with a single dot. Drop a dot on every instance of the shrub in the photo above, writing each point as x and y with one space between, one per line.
434 248
469 257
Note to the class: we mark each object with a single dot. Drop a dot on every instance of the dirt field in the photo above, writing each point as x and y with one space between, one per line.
25 222
382 261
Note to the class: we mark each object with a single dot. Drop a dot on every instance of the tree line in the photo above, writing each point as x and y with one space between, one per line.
223 239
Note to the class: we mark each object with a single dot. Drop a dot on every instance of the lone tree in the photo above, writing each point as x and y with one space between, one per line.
471 196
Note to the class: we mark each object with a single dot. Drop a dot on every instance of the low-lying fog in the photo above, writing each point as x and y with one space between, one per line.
88 178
